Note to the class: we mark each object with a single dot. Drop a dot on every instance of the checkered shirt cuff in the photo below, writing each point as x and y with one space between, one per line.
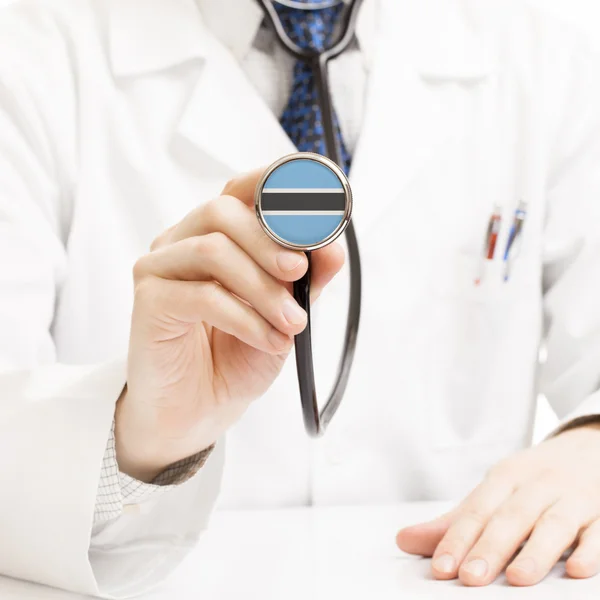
116 489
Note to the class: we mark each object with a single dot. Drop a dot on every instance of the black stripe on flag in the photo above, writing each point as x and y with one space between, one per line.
299 201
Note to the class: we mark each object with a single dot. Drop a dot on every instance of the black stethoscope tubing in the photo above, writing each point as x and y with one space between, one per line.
316 421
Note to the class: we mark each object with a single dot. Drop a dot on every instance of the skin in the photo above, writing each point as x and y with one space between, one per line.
529 510
213 322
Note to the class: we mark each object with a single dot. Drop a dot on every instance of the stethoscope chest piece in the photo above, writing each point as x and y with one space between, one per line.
304 201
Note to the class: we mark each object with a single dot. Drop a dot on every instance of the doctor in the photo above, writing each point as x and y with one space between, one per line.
124 127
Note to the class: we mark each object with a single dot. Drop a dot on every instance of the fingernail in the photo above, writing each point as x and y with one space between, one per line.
292 312
477 568
525 565
278 340
445 564
288 261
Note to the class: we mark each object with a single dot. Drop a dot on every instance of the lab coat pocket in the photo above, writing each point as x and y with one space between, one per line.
472 326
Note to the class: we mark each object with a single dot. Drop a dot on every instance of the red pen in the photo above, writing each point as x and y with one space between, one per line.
491 239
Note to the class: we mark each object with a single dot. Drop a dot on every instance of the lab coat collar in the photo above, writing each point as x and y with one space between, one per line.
236 23
153 35
452 39
164 33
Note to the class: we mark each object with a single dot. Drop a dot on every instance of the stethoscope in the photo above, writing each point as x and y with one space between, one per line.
325 169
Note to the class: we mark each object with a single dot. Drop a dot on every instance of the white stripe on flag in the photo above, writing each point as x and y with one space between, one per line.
302 190
308 213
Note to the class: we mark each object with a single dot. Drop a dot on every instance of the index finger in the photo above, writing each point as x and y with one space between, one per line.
231 218
472 517
243 186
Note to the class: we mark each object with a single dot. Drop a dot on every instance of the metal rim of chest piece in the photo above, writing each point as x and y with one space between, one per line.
320 218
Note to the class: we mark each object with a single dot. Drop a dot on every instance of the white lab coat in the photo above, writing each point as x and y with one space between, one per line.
118 117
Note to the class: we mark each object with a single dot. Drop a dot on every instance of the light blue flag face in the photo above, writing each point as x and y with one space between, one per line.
303 202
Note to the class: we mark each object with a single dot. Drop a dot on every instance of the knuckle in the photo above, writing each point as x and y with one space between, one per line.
251 327
505 519
196 245
503 471
218 213
215 243
208 246
559 520
211 212
147 292
162 239
231 185
451 543
510 511
475 515
141 268
227 202
499 470
157 242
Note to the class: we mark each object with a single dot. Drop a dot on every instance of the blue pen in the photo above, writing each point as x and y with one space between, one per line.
514 237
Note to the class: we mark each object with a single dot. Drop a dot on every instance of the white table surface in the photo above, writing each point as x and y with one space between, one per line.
319 554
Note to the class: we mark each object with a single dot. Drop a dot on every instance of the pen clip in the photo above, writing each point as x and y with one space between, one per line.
491 238
513 243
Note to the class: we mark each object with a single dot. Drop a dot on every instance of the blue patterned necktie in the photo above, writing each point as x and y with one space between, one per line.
301 119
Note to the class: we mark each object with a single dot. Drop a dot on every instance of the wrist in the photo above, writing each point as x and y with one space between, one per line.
132 453
143 452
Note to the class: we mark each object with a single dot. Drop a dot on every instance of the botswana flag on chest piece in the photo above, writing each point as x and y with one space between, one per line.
303 202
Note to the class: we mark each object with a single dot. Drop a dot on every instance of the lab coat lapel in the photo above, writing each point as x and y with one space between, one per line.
410 116
227 120
223 118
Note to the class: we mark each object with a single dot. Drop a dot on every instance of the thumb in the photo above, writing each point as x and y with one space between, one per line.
423 538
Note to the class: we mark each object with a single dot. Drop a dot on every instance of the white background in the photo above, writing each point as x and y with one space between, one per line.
584 14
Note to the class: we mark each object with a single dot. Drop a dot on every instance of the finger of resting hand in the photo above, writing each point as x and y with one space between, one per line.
423 538
177 302
215 256
554 532
506 530
471 518
585 560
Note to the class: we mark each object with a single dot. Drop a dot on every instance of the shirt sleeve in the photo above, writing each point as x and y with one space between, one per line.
117 491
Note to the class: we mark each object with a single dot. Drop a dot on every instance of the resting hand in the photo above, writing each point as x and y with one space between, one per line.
213 321
547 496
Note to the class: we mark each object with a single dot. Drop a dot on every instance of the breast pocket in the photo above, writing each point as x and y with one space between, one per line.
481 358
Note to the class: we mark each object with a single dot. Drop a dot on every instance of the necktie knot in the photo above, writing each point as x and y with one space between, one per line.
311 29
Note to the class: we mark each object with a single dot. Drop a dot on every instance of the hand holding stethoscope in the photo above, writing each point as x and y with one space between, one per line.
316 185
212 318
